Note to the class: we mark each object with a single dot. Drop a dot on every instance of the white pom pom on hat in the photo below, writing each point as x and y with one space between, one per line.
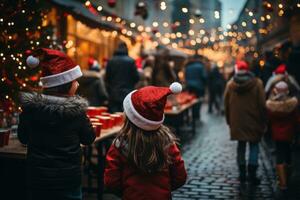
32 61
176 87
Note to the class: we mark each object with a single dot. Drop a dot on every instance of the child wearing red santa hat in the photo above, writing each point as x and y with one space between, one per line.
53 125
144 161
282 110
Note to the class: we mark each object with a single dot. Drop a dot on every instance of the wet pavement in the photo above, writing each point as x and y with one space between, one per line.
211 165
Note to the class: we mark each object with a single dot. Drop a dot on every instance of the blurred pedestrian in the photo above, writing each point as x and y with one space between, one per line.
271 63
216 85
245 115
121 77
144 161
195 79
163 72
282 110
293 62
53 125
92 85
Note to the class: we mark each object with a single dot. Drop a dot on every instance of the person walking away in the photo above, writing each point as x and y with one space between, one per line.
246 116
195 78
92 85
53 125
216 85
144 161
163 73
282 112
121 77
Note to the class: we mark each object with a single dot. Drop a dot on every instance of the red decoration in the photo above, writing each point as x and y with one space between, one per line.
173 26
154 30
28 52
111 3
268 6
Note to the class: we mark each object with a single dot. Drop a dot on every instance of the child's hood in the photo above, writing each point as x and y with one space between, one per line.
53 105
282 106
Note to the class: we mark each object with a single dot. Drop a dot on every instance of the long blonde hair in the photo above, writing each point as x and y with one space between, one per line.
148 151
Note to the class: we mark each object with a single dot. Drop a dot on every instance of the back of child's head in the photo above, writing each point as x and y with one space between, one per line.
147 151
58 70
147 139
280 90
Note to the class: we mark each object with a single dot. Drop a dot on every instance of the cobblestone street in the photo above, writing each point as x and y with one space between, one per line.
211 165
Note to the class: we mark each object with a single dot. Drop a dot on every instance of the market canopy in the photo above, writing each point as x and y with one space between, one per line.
82 13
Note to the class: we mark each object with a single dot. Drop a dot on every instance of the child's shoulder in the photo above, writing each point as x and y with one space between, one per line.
65 106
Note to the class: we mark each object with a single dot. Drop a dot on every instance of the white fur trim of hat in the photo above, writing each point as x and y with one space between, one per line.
138 119
61 78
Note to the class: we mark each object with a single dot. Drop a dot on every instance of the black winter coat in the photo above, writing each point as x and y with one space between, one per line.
53 129
121 76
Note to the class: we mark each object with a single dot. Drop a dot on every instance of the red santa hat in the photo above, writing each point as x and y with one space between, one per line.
241 67
145 107
281 69
57 67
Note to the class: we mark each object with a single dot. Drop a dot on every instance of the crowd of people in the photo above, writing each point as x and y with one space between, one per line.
144 159
262 102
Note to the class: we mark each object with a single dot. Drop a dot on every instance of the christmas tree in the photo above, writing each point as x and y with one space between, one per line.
24 27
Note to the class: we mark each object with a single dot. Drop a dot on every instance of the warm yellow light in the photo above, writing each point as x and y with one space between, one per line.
244 24
248 34
268 17
178 34
281 13
228 26
148 29
261 63
262 18
191 32
201 20
192 21
202 32
165 24
280 5
254 21
140 28
250 13
109 18
184 10
155 24
99 8
193 42
87 3
132 25
118 19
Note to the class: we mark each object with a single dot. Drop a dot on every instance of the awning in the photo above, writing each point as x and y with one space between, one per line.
81 13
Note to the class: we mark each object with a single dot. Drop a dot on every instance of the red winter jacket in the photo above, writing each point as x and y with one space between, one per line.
283 117
120 176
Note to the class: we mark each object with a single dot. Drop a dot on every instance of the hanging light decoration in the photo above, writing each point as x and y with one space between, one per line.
268 6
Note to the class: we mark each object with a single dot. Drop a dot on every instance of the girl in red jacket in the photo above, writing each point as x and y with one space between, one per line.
144 161
282 110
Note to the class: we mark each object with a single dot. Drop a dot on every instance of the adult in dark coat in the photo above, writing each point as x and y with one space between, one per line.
121 77
216 85
245 115
195 78
271 63
92 87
